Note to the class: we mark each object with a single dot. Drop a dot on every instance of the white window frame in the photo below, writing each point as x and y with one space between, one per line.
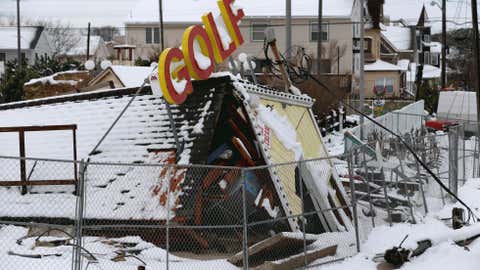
434 57
153 33
426 38
427 58
386 82
325 29
253 31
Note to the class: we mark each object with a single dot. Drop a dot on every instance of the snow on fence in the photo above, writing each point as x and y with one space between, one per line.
400 121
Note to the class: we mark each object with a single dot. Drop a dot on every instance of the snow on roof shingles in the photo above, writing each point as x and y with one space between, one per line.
8 40
113 192
191 10
399 36
132 76
380 65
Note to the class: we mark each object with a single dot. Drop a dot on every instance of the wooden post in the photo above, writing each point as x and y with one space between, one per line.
283 71
23 169
88 42
75 165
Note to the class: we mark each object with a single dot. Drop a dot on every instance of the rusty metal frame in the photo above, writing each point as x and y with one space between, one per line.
23 168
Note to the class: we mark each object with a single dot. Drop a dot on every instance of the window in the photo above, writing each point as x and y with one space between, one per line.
368 45
156 35
152 35
426 38
148 35
384 85
258 31
314 31
3 57
426 58
435 57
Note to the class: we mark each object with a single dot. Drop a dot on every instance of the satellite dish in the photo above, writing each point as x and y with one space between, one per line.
155 83
90 65
242 57
105 64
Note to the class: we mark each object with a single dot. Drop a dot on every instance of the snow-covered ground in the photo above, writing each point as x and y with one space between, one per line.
445 254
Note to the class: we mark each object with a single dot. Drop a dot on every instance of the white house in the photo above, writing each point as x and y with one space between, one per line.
34 42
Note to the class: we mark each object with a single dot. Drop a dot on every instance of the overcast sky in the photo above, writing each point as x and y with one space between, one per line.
115 12
77 12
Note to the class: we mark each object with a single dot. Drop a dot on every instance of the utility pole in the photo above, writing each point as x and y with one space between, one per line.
444 44
319 41
160 12
476 47
362 65
88 42
19 42
288 39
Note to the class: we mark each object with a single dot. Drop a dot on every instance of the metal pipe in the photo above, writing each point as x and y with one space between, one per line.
245 221
19 37
444 44
354 201
288 17
362 68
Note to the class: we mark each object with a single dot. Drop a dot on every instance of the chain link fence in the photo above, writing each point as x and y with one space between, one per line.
148 216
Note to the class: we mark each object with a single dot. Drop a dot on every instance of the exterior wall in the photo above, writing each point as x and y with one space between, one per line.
375 36
107 77
42 48
339 33
370 78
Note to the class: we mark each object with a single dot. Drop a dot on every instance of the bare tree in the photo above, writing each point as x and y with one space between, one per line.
62 36
336 52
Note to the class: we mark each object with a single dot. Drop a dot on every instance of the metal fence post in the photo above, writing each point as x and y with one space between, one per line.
167 229
77 256
422 191
453 159
354 201
245 221
367 183
398 122
304 220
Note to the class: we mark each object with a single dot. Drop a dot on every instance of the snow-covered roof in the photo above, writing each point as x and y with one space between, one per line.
80 47
29 34
121 192
398 36
143 135
52 79
431 72
131 76
403 64
435 47
380 65
192 10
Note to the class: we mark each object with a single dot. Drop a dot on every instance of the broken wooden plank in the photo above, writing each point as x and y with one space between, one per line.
279 246
297 261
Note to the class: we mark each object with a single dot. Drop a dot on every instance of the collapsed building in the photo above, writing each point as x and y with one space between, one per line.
225 124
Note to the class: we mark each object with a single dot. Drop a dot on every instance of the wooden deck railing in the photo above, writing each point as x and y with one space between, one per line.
24 182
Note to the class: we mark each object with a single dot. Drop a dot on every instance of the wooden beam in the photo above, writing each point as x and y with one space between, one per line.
23 167
38 128
37 183
243 138
246 156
